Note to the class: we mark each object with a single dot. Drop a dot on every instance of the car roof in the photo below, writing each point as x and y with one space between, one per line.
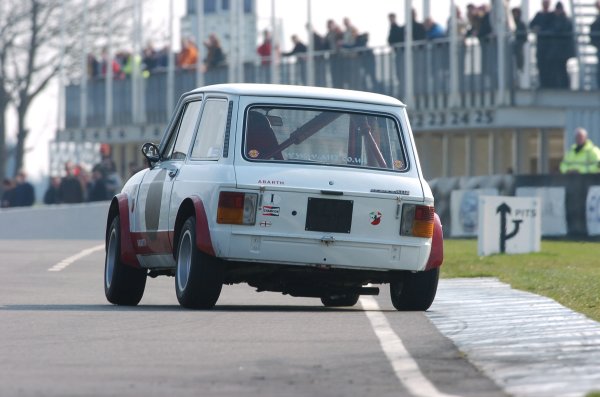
285 91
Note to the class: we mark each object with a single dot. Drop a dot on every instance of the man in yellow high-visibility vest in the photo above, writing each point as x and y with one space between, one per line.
583 157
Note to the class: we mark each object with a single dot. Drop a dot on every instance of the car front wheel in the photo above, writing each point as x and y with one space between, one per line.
198 278
123 284
415 291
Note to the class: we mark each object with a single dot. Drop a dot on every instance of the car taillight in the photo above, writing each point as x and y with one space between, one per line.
237 208
417 220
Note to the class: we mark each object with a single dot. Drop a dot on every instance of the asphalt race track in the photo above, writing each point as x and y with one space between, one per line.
60 337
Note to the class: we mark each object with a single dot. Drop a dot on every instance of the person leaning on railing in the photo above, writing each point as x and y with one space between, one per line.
583 157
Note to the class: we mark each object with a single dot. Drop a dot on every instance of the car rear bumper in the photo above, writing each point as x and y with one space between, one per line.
371 255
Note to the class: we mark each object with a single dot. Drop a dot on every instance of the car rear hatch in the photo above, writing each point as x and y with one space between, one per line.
327 215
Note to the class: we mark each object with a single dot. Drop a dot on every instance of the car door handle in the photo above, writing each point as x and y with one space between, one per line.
173 172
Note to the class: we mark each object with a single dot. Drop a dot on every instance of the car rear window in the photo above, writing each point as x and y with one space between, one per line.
323 136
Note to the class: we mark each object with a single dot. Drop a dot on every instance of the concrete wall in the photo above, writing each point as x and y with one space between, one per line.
66 221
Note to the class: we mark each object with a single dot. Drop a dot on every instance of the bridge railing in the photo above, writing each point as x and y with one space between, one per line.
465 73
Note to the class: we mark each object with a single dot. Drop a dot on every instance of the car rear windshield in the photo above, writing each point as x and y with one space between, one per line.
323 136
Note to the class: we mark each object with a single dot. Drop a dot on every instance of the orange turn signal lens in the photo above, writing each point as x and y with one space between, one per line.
237 208
417 221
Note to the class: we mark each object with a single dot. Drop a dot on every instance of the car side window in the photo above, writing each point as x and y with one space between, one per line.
209 140
179 143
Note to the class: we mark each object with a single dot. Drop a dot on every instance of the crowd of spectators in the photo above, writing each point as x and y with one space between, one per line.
17 192
351 58
154 60
78 184
552 27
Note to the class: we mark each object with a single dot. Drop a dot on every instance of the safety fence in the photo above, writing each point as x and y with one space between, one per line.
570 203
436 74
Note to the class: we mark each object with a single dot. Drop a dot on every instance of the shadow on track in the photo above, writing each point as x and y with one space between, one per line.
160 308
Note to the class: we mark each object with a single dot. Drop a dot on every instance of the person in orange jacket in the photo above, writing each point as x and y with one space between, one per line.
188 56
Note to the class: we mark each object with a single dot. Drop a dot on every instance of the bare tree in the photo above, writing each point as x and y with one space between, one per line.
32 49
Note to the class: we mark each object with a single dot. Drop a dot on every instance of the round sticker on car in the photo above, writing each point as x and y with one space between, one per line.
375 218
253 153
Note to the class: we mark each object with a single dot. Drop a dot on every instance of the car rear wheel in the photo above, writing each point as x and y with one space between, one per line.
198 279
340 300
123 284
415 291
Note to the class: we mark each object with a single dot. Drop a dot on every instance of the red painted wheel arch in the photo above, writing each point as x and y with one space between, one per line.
203 240
127 250
436 256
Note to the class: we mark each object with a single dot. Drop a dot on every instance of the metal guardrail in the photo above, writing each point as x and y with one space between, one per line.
468 75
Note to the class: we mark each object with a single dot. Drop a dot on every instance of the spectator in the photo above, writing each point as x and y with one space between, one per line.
109 170
70 189
583 157
486 42
367 63
129 61
396 34
562 47
265 50
116 67
97 186
350 67
349 35
396 40
433 30
542 24
520 38
299 47
462 26
23 193
595 40
8 187
162 57
93 66
188 56
474 20
418 29
299 51
149 60
319 46
52 193
214 53
334 38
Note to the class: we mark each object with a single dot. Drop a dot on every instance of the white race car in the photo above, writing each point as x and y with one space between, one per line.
307 191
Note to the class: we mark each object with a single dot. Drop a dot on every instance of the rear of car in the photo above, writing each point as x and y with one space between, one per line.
329 198
331 183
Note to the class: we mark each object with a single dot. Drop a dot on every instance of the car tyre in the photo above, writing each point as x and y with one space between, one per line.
415 291
340 300
123 284
198 277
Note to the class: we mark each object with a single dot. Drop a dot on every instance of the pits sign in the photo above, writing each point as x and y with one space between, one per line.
510 225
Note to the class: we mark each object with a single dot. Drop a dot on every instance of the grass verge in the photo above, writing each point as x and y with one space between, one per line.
566 271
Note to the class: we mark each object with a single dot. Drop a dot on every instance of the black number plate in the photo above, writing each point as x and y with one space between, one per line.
326 215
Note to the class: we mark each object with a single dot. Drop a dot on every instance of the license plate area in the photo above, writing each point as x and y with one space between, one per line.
327 215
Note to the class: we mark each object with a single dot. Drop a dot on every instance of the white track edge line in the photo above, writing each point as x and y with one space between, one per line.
68 261
406 368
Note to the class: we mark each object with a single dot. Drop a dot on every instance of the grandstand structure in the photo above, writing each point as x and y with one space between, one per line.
472 110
